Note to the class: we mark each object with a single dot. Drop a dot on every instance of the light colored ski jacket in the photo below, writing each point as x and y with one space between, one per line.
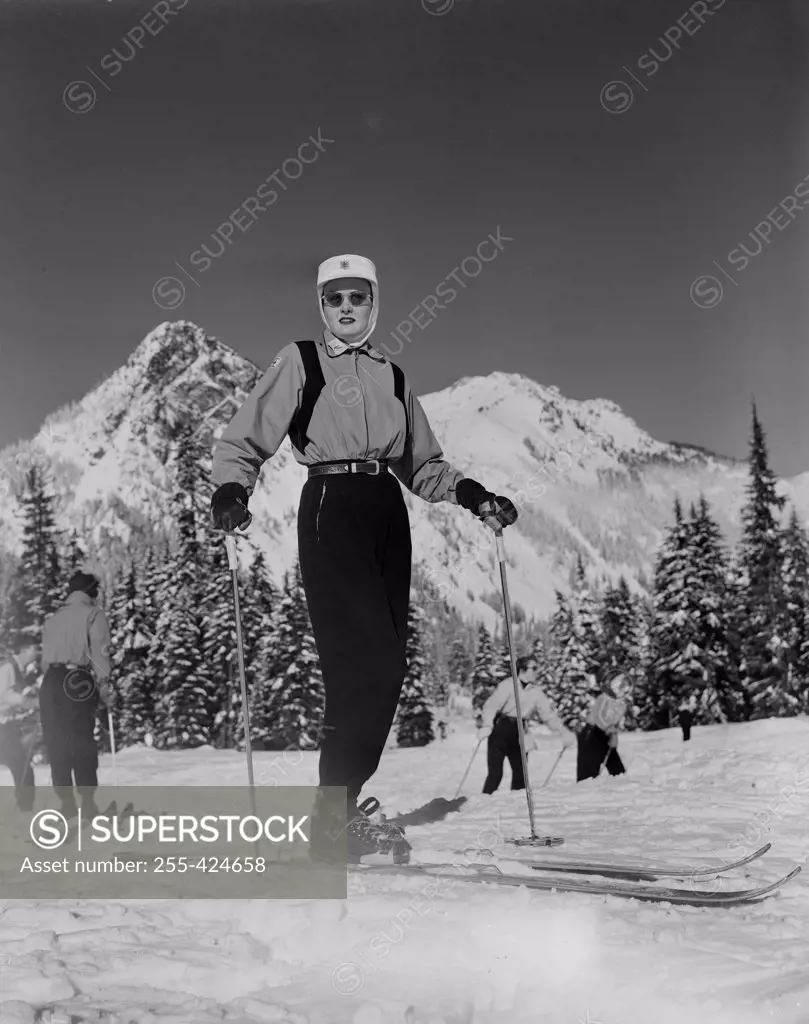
65 635
533 702
607 713
357 416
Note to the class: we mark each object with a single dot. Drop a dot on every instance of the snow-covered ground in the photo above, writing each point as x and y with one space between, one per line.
396 952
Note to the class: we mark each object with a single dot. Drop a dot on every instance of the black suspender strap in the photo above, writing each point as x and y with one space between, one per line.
399 392
313 384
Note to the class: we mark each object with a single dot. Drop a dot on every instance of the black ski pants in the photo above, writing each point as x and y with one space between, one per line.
594 751
15 753
686 719
68 726
504 742
355 556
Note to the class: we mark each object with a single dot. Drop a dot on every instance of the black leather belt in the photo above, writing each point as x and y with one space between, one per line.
373 467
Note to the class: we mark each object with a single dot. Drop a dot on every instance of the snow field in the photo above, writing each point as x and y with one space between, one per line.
427 951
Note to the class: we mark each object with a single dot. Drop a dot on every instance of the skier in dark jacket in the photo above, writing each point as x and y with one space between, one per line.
355 423
18 723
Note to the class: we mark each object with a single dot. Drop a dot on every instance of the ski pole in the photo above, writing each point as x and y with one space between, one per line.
112 747
501 557
230 541
555 763
474 755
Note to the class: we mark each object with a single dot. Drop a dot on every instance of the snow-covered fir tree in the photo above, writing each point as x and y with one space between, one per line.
671 669
220 648
713 644
762 612
461 663
187 693
261 647
796 598
620 639
72 560
129 642
36 586
290 715
585 608
414 716
573 684
484 672
539 651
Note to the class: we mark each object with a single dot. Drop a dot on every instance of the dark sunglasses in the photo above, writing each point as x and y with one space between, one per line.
336 299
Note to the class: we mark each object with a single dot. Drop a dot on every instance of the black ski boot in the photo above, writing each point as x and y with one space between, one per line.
364 838
375 838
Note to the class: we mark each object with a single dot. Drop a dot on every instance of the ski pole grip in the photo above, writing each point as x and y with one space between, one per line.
230 543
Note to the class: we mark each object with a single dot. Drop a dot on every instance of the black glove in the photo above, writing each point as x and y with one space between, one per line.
229 507
482 503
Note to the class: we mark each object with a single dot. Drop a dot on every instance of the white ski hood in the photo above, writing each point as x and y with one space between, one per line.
349 265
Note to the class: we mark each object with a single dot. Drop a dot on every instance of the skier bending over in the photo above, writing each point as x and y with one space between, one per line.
499 719
356 425
598 740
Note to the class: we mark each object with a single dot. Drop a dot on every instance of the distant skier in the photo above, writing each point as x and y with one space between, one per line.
356 425
686 711
74 656
598 740
499 721
18 723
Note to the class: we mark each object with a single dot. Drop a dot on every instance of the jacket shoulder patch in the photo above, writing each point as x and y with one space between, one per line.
274 363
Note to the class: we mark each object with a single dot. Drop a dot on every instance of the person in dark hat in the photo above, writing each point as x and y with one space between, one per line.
75 641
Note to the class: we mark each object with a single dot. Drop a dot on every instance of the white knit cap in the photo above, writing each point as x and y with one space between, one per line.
350 265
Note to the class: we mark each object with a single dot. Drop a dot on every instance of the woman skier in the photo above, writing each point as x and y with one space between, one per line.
598 740
355 423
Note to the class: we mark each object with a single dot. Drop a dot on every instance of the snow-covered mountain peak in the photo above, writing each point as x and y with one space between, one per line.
587 479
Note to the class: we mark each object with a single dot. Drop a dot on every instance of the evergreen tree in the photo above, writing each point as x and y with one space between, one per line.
573 684
36 589
716 680
220 648
461 664
763 608
484 672
503 659
670 649
586 619
796 595
129 641
544 661
261 647
187 700
140 712
72 561
620 638
414 717
291 714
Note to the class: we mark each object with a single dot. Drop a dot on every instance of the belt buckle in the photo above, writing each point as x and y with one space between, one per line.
376 463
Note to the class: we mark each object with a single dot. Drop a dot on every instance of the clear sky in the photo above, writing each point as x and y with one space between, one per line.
447 120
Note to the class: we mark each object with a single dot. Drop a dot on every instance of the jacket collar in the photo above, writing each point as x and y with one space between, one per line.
79 597
335 347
